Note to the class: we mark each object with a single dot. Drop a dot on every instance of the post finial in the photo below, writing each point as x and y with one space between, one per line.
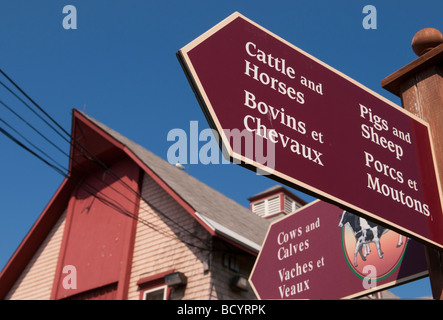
425 40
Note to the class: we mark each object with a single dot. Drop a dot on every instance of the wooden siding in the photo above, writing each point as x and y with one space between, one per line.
35 283
99 226
168 240
227 262
172 243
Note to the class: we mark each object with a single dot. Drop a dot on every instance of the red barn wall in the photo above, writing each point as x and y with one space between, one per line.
98 229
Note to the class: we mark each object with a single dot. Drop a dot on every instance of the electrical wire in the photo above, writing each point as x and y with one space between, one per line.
59 166
32 127
11 137
34 103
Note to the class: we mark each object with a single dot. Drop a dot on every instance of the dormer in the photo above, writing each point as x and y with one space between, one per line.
275 202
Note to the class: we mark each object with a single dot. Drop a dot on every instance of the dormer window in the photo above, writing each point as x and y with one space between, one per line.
275 202
267 207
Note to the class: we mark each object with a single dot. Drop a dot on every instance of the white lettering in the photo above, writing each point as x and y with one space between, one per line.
278 64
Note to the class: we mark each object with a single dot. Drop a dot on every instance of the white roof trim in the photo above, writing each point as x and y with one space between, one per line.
222 230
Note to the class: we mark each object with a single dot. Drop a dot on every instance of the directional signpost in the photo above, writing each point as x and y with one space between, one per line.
310 254
282 111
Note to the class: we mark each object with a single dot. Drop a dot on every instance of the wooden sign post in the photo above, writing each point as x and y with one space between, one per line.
420 87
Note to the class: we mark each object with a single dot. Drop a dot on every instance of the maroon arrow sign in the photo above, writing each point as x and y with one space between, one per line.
284 112
310 254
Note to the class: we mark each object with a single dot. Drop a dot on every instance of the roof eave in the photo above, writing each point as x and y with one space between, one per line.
227 233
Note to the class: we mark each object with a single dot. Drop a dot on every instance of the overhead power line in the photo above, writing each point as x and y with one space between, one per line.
59 166
33 102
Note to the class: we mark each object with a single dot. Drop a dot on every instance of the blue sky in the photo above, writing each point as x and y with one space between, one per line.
119 66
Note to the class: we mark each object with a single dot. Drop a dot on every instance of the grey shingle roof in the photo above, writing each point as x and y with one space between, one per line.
222 214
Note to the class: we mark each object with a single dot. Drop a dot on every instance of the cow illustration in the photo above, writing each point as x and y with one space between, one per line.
365 232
